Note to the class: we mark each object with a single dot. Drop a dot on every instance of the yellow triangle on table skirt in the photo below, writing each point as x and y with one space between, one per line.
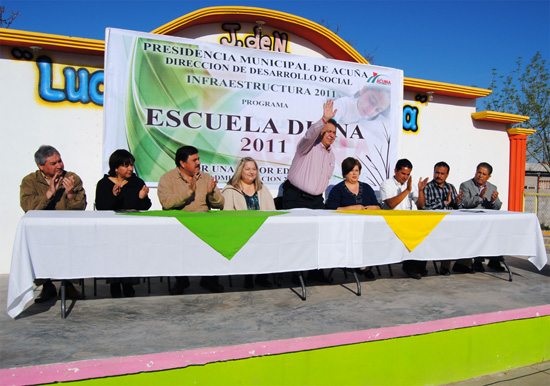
411 226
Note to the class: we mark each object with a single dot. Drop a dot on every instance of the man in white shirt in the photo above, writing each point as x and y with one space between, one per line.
399 193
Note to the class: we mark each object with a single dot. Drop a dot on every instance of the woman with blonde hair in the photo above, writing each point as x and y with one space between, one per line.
245 191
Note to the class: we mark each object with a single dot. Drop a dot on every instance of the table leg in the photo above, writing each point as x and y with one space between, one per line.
63 298
508 268
301 277
357 282
354 271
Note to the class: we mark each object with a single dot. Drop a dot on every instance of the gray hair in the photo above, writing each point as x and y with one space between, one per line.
44 152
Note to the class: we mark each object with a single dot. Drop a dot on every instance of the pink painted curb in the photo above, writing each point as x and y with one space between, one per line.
74 371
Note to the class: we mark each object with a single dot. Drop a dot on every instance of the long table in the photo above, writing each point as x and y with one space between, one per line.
73 245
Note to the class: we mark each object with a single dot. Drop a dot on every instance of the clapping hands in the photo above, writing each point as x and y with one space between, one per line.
57 181
421 183
211 185
143 192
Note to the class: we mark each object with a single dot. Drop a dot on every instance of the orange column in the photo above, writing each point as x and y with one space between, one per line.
518 148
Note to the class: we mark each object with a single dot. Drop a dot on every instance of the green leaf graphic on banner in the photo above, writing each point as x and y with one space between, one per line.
225 231
154 88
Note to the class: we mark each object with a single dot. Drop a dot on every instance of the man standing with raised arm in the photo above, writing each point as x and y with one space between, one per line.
311 169
313 164
399 193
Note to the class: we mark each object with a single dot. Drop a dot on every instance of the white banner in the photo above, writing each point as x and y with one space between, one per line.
165 92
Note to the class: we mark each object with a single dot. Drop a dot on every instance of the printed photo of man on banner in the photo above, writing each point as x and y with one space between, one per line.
165 92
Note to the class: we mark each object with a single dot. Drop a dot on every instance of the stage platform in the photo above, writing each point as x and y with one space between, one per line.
100 329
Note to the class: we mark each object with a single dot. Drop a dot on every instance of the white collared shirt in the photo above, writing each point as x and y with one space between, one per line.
391 188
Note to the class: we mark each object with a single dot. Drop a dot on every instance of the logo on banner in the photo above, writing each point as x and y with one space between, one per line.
378 79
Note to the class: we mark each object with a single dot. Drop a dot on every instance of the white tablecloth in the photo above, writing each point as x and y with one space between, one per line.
75 244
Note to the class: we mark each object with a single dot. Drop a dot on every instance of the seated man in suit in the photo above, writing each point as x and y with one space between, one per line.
479 193
51 187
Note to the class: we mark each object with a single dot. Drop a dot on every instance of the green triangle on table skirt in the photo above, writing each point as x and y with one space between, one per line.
225 231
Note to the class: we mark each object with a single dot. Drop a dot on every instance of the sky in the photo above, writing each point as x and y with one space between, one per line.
457 42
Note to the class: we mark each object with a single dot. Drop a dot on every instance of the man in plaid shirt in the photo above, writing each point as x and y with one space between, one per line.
439 194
